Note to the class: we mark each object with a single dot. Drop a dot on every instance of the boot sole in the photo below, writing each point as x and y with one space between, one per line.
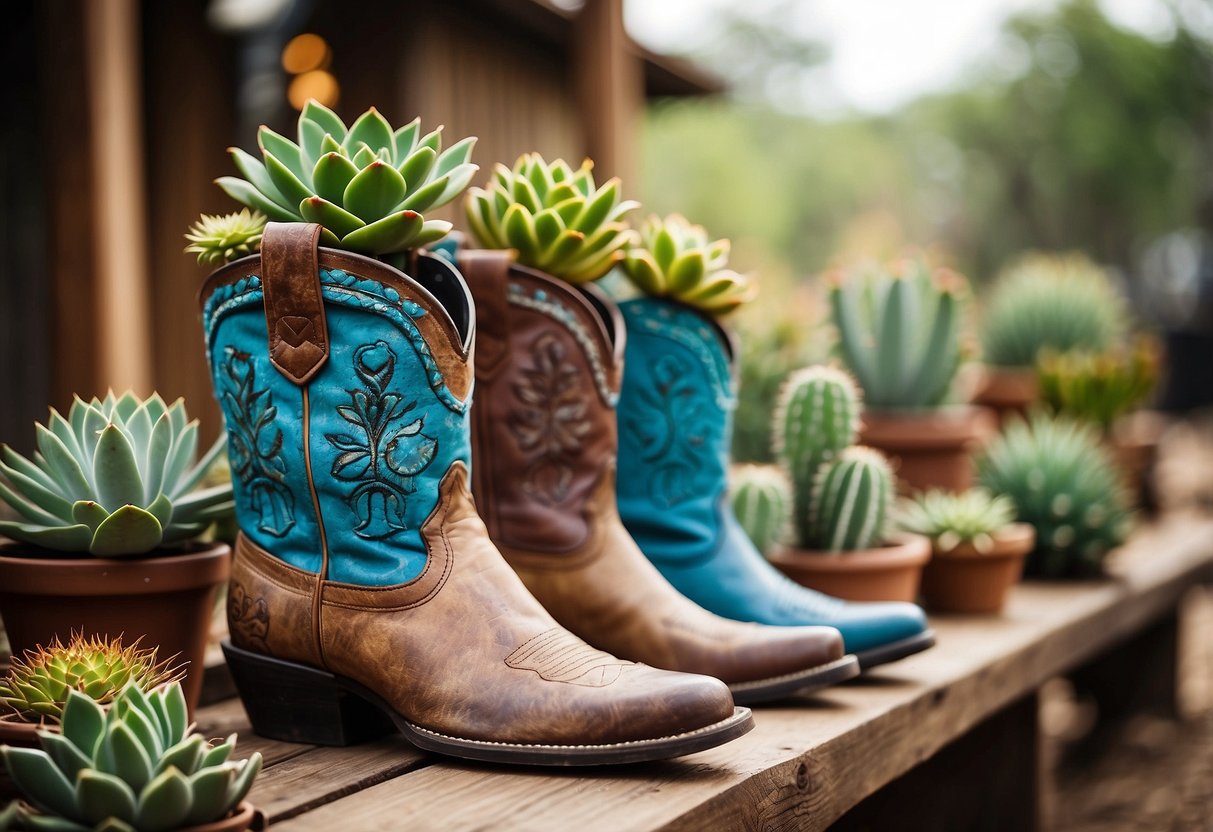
895 651
780 687
295 703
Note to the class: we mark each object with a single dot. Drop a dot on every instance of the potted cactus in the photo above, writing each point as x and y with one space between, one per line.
111 510
762 502
899 334
135 766
1057 302
977 550
1063 482
842 497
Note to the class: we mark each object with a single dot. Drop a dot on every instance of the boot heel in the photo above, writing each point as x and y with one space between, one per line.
295 703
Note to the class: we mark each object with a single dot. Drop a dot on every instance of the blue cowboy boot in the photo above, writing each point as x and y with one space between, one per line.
365 592
675 428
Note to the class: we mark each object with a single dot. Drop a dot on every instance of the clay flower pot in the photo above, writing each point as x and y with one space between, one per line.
1134 441
168 600
1008 391
885 573
929 448
245 816
966 580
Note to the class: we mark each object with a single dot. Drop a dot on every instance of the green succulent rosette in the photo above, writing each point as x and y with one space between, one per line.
675 259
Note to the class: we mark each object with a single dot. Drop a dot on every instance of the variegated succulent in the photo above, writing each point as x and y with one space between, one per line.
675 259
556 218
116 478
367 185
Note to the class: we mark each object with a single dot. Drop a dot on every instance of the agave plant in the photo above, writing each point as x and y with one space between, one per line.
367 185
115 478
134 767
675 259
554 217
217 239
949 519
37 685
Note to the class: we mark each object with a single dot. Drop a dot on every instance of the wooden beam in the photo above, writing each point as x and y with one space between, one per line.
610 88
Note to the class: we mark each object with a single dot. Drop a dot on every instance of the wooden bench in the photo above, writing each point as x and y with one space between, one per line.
947 739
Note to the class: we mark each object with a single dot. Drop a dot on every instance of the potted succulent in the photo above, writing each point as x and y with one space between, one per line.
977 548
1058 302
842 497
899 334
1063 482
134 766
762 503
111 510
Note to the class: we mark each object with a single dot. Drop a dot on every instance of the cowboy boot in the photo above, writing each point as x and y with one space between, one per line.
365 592
547 376
675 430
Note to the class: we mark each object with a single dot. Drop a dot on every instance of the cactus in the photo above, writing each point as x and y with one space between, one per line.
851 501
37 684
133 766
761 503
817 418
554 217
899 330
1098 387
1050 302
115 478
1063 482
217 239
949 519
676 259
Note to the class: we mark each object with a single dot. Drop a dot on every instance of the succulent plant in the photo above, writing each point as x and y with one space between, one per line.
1098 387
133 766
1050 301
950 519
851 502
217 239
899 330
761 502
115 478
556 218
37 685
817 417
1064 483
368 185
675 259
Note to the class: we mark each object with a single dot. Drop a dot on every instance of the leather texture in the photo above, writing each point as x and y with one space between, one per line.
675 431
294 312
544 441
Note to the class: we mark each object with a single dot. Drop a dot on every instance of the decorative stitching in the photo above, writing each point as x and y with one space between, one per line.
556 655
694 334
248 617
707 729
538 301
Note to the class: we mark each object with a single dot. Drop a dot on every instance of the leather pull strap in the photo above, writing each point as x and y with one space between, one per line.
487 273
294 310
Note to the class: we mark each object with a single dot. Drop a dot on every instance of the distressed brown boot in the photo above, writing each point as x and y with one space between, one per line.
548 365
366 595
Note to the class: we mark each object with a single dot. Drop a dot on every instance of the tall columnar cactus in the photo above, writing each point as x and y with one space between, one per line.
675 259
851 502
762 503
556 218
816 419
899 330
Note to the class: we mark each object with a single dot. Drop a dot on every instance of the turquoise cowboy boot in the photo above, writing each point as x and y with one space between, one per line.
675 429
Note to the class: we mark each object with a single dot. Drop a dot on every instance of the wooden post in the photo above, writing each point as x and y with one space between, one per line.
610 88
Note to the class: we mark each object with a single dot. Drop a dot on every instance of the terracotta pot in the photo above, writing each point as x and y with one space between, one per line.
965 580
1134 441
245 816
166 599
886 573
1008 391
929 448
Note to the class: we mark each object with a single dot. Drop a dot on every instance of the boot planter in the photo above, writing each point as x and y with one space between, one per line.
549 359
930 448
966 580
1008 391
886 573
366 595
167 600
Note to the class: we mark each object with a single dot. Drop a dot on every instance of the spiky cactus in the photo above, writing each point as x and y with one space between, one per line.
816 418
761 502
1064 483
38 683
115 478
134 767
556 218
675 259
368 185
899 330
851 502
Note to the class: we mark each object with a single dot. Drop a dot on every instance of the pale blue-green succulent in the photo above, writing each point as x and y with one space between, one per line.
134 767
116 478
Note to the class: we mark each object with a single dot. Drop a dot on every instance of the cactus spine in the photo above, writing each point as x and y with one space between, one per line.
762 503
850 502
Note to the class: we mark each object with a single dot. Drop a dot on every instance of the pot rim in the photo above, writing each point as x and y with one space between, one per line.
903 550
206 565
1012 541
935 428
242 817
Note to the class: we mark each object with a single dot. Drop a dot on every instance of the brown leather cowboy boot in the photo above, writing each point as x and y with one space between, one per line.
548 368
365 591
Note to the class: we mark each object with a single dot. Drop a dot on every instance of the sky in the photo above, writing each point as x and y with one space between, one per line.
887 52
